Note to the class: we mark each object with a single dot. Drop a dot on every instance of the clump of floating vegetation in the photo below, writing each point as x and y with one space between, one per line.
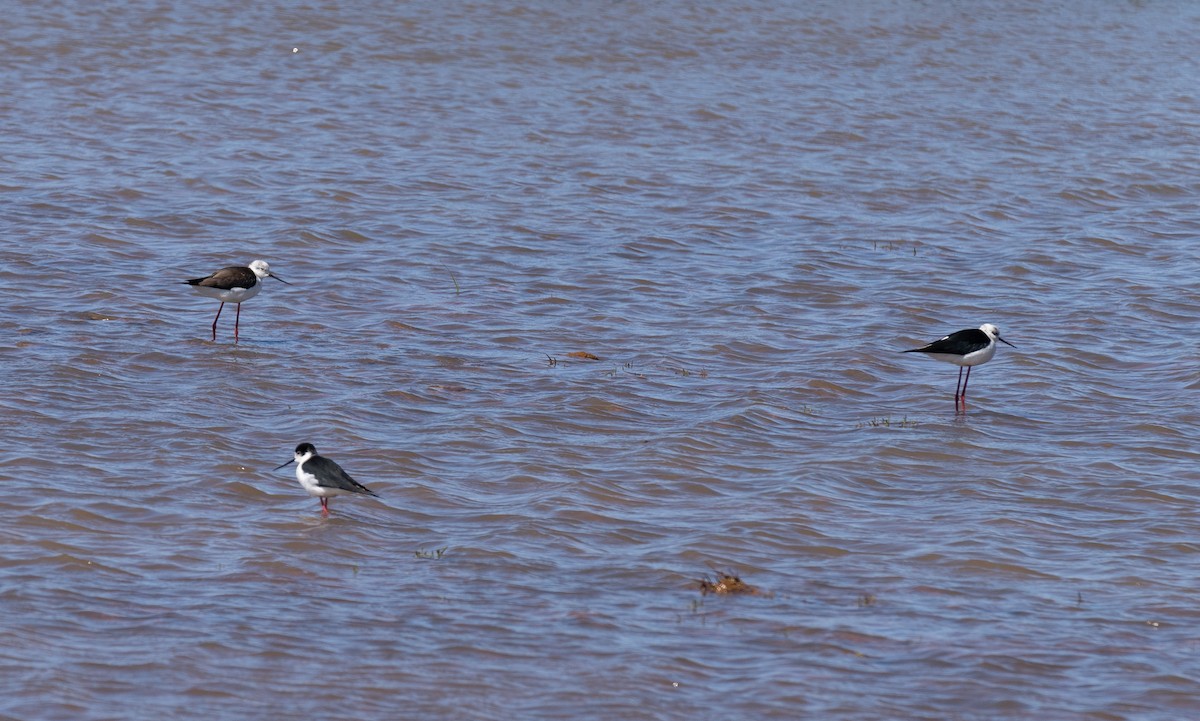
888 422
665 365
580 354
892 245
431 555
727 582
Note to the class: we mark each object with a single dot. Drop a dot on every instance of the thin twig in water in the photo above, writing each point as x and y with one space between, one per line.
454 280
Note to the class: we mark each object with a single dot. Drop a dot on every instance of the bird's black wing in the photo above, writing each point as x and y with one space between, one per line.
227 279
331 475
958 343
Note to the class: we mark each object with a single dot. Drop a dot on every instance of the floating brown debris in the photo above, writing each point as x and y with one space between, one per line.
448 388
582 354
726 582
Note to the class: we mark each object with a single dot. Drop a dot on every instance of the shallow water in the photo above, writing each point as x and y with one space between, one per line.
745 212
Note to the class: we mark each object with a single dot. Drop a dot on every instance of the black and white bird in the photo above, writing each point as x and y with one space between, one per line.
965 349
234 284
323 478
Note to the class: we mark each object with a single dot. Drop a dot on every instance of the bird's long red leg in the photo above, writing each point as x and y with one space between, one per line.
957 386
324 506
964 394
237 319
221 308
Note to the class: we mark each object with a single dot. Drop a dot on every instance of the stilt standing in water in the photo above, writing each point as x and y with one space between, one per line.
234 284
323 478
965 349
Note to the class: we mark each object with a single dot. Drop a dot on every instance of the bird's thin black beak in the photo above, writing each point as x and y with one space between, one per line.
281 280
1005 342
285 464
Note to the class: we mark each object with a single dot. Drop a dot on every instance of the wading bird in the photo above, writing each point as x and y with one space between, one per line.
234 284
323 478
965 349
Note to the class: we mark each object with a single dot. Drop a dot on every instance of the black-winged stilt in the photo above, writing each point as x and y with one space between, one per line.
965 349
322 477
234 284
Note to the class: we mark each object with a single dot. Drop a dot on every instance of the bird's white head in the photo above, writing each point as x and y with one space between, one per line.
262 270
994 333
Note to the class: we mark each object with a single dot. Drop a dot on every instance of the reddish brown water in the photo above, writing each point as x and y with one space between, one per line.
745 211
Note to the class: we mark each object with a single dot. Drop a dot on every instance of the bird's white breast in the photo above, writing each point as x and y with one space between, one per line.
233 295
980 356
974 358
309 482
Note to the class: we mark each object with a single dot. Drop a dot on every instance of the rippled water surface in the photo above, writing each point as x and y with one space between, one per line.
744 211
